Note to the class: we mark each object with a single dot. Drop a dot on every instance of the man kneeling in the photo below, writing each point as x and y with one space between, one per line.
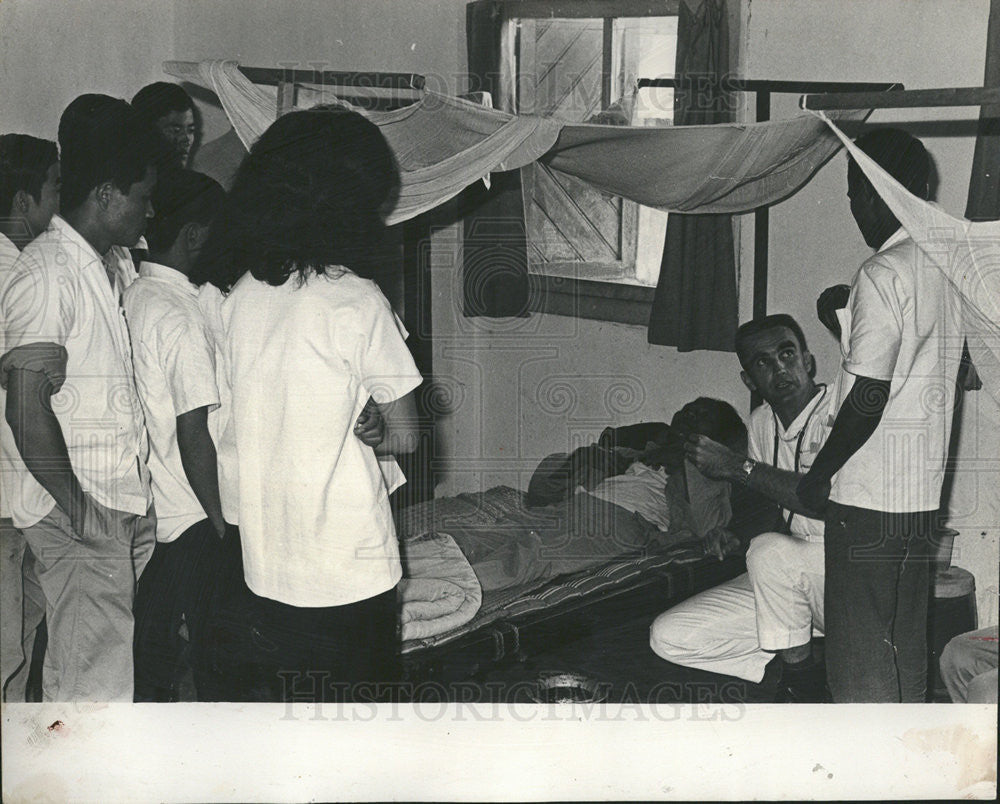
737 627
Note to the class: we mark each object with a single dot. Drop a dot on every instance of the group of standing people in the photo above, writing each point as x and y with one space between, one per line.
857 468
206 423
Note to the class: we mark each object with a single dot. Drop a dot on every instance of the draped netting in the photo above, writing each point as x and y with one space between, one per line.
443 144
966 252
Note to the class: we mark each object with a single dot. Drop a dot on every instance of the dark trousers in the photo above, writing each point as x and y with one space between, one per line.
877 590
336 653
182 580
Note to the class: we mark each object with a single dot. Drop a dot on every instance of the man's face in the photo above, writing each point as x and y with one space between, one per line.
177 128
128 212
41 212
776 367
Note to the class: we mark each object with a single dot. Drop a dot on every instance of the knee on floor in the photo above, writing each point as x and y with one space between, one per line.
671 637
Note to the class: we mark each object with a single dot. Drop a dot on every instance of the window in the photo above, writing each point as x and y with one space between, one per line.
585 69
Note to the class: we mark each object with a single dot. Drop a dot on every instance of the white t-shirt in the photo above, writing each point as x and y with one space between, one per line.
10 458
901 323
302 360
58 292
789 452
175 373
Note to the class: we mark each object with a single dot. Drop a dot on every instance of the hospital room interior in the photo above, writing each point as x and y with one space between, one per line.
570 269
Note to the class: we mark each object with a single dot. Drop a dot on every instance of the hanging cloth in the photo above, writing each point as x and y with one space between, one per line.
966 252
723 168
696 302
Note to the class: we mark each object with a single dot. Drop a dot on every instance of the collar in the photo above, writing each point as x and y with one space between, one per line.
7 248
897 237
164 273
68 236
793 429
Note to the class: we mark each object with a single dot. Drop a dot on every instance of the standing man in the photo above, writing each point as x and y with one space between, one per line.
738 627
169 110
175 374
29 197
83 499
883 464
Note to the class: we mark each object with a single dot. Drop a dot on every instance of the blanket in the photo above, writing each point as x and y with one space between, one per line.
509 544
439 590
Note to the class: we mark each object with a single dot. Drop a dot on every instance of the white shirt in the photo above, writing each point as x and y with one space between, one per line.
901 323
58 292
10 459
790 453
220 425
175 373
220 422
302 361
639 489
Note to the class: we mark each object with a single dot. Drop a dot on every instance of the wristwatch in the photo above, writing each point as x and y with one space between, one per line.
747 468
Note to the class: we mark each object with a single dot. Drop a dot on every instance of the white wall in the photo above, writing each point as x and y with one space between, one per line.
52 51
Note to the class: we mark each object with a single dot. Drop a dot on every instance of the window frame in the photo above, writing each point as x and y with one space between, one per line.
559 292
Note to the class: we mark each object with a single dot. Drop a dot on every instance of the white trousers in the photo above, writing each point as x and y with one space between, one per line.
734 628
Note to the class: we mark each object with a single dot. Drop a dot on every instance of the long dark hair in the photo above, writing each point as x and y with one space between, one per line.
310 196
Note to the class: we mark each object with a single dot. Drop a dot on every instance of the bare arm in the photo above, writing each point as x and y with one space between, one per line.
39 439
719 462
402 426
198 458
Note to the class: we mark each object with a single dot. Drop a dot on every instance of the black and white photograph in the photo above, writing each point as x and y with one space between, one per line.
503 400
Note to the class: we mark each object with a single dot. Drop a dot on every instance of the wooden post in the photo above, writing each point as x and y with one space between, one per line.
984 186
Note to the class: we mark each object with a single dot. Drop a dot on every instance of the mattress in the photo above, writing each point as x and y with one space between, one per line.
676 568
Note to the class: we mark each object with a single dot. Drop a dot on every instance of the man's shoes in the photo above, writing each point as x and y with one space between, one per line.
802 682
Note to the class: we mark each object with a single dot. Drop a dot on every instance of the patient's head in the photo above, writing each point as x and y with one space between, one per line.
704 416
713 418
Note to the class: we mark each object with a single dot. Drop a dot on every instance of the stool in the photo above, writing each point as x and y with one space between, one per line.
952 612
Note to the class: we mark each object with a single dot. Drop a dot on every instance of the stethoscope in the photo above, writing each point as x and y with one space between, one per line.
798 445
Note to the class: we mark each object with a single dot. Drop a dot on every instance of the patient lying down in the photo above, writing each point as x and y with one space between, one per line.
642 468
631 492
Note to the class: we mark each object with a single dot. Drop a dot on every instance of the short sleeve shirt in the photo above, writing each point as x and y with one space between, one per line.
901 324
302 360
10 459
792 448
58 292
175 374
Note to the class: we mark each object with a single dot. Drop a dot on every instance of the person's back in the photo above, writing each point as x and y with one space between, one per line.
308 352
302 369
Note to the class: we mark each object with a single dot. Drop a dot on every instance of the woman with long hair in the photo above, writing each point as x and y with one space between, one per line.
305 340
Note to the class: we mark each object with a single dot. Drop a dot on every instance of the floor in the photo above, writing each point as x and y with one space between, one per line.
619 663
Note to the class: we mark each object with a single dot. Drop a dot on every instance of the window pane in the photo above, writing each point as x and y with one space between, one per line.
564 72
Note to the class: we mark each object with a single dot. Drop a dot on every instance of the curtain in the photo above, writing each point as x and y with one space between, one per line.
696 301
495 240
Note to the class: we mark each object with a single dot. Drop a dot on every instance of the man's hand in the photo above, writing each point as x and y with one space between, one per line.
830 300
712 458
720 542
370 426
91 520
814 491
